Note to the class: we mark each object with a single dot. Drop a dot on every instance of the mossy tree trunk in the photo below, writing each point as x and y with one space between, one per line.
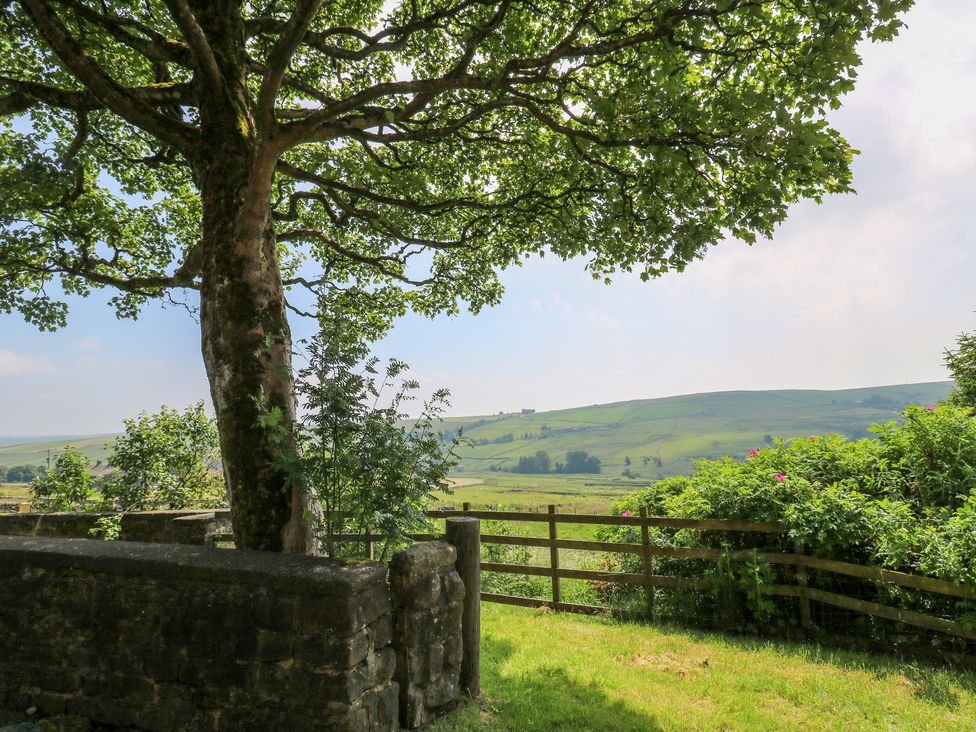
245 336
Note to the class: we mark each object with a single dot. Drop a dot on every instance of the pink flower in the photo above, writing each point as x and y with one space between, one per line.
753 452
931 407
626 513
780 477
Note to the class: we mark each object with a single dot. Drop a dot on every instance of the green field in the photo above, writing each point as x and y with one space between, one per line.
675 431
567 672
569 493
36 453
16 491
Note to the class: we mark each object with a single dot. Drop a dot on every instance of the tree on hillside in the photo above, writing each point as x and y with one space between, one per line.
962 365
411 149
540 462
579 461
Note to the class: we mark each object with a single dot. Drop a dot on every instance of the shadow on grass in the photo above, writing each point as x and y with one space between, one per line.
545 698
937 683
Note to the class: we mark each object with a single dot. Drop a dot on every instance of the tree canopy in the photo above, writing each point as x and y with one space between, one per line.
418 146
400 151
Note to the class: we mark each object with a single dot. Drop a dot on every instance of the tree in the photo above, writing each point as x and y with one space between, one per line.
372 468
67 486
169 459
962 366
22 473
580 461
540 462
241 149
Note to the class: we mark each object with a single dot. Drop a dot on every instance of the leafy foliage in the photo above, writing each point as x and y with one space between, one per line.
67 486
169 459
372 468
21 473
460 135
905 500
962 366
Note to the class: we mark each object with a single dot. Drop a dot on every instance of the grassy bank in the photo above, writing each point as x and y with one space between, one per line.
566 672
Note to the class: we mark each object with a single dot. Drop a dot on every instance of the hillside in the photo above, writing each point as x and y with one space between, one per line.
35 451
675 430
663 437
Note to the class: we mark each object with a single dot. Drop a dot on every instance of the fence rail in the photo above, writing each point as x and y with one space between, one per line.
801 561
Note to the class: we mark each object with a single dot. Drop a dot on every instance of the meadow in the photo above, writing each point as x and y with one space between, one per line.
546 671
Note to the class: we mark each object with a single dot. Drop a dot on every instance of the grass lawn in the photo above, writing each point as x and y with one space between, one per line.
568 672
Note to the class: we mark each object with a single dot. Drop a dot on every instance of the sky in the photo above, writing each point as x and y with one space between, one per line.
861 290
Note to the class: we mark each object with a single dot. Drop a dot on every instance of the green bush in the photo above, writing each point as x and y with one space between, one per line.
905 500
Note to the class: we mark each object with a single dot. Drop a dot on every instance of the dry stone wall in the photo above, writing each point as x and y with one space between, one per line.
169 637
427 605
165 527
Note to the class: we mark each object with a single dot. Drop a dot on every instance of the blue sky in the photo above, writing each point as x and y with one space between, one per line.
864 289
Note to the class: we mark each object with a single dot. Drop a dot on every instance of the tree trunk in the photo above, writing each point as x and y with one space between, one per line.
244 330
247 351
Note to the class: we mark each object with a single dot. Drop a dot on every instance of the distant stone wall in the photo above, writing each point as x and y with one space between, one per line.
427 604
169 637
165 527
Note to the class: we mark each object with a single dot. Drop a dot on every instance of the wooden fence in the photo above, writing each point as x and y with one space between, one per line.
800 561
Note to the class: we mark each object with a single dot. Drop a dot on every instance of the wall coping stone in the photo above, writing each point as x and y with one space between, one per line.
270 570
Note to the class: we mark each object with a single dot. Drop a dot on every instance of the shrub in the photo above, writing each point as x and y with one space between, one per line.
905 500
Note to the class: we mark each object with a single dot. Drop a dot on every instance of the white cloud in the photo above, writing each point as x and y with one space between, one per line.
16 364
605 320
559 305
91 343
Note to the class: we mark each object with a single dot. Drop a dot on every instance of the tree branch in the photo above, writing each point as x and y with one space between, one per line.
199 47
27 94
279 58
156 48
377 263
105 89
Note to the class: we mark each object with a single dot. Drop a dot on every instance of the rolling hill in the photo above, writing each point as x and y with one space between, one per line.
34 450
663 437
673 430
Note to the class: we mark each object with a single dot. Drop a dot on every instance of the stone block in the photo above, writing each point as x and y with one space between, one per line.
415 592
423 558
185 638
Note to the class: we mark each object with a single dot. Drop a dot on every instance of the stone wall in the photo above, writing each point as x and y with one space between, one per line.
168 637
427 604
166 527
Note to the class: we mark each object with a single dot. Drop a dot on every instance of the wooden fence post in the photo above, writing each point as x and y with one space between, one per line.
464 532
554 557
801 580
648 564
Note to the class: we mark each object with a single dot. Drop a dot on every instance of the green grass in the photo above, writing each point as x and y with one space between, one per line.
678 430
569 493
567 672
